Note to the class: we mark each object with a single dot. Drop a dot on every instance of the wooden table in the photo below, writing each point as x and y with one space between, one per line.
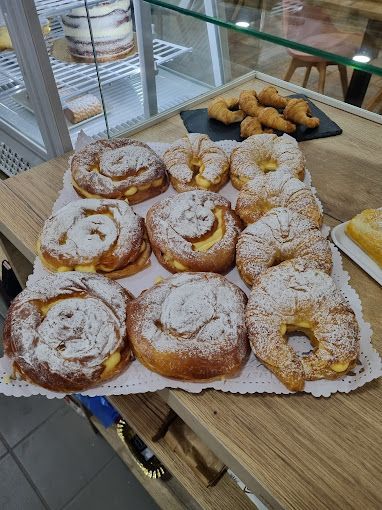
293 451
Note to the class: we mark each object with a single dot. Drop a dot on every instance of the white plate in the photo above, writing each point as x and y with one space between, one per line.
343 241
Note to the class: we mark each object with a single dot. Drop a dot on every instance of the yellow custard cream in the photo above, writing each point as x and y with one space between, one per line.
339 367
111 362
207 243
268 165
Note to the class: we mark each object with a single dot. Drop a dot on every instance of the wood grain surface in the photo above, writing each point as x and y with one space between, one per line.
296 452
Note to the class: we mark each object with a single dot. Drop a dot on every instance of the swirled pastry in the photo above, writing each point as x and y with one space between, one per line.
120 168
277 189
277 237
67 332
196 162
249 103
190 327
252 126
92 235
194 231
291 297
265 153
298 111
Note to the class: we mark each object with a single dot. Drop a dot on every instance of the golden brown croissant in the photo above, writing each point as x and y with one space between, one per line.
226 109
270 117
249 103
252 126
271 97
298 111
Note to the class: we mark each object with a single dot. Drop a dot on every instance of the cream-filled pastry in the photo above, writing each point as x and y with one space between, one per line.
194 231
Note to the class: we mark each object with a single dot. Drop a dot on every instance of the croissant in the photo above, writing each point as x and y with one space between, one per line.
271 97
252 126
226 110
298 110
249 103
270 117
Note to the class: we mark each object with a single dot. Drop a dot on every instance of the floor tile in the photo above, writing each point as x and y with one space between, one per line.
62 456
113 488
3 450
20 415
15 491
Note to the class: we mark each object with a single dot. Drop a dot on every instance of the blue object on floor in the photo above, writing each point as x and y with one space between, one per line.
100 408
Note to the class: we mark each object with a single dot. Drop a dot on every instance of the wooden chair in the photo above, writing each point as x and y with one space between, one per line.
310 25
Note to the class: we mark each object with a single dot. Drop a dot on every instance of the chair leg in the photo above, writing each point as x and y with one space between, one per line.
294 64
307 74
373 102
321 66
344 78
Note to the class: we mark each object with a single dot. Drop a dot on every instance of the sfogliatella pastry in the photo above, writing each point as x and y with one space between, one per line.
112 31
194 231
226 110
298 111
366 230
196 162
67 332
120 168
276 238
270 96
291 297
277 189
265 153
191 327
92 235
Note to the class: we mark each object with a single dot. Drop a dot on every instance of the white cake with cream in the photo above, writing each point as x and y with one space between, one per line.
112 31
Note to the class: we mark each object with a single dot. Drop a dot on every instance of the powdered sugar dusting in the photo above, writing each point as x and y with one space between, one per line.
277 189
89 230
122 163
195 146
291 293
178 220
281 235
200 313
282 149
86 324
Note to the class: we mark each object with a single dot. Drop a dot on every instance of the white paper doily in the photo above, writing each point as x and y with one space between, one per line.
254 378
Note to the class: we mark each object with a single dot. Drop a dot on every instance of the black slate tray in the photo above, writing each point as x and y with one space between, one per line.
197 121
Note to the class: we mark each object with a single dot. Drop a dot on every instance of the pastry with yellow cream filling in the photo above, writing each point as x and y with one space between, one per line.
122 168
194 231
67 332
196 162
95 235
263 153
292 297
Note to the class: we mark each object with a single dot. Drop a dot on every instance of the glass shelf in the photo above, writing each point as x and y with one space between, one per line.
333 30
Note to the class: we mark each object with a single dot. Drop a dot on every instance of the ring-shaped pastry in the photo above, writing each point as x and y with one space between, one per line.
196 162
291 297
279 236
277 189
94 235
119 168
194 231
260 154
67 332
191 327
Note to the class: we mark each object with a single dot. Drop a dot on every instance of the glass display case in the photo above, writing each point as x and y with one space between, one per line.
110 67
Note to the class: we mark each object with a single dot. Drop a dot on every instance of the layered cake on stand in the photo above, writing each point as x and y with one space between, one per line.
112 31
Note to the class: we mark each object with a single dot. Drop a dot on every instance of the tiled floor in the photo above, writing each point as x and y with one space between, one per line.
50 458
